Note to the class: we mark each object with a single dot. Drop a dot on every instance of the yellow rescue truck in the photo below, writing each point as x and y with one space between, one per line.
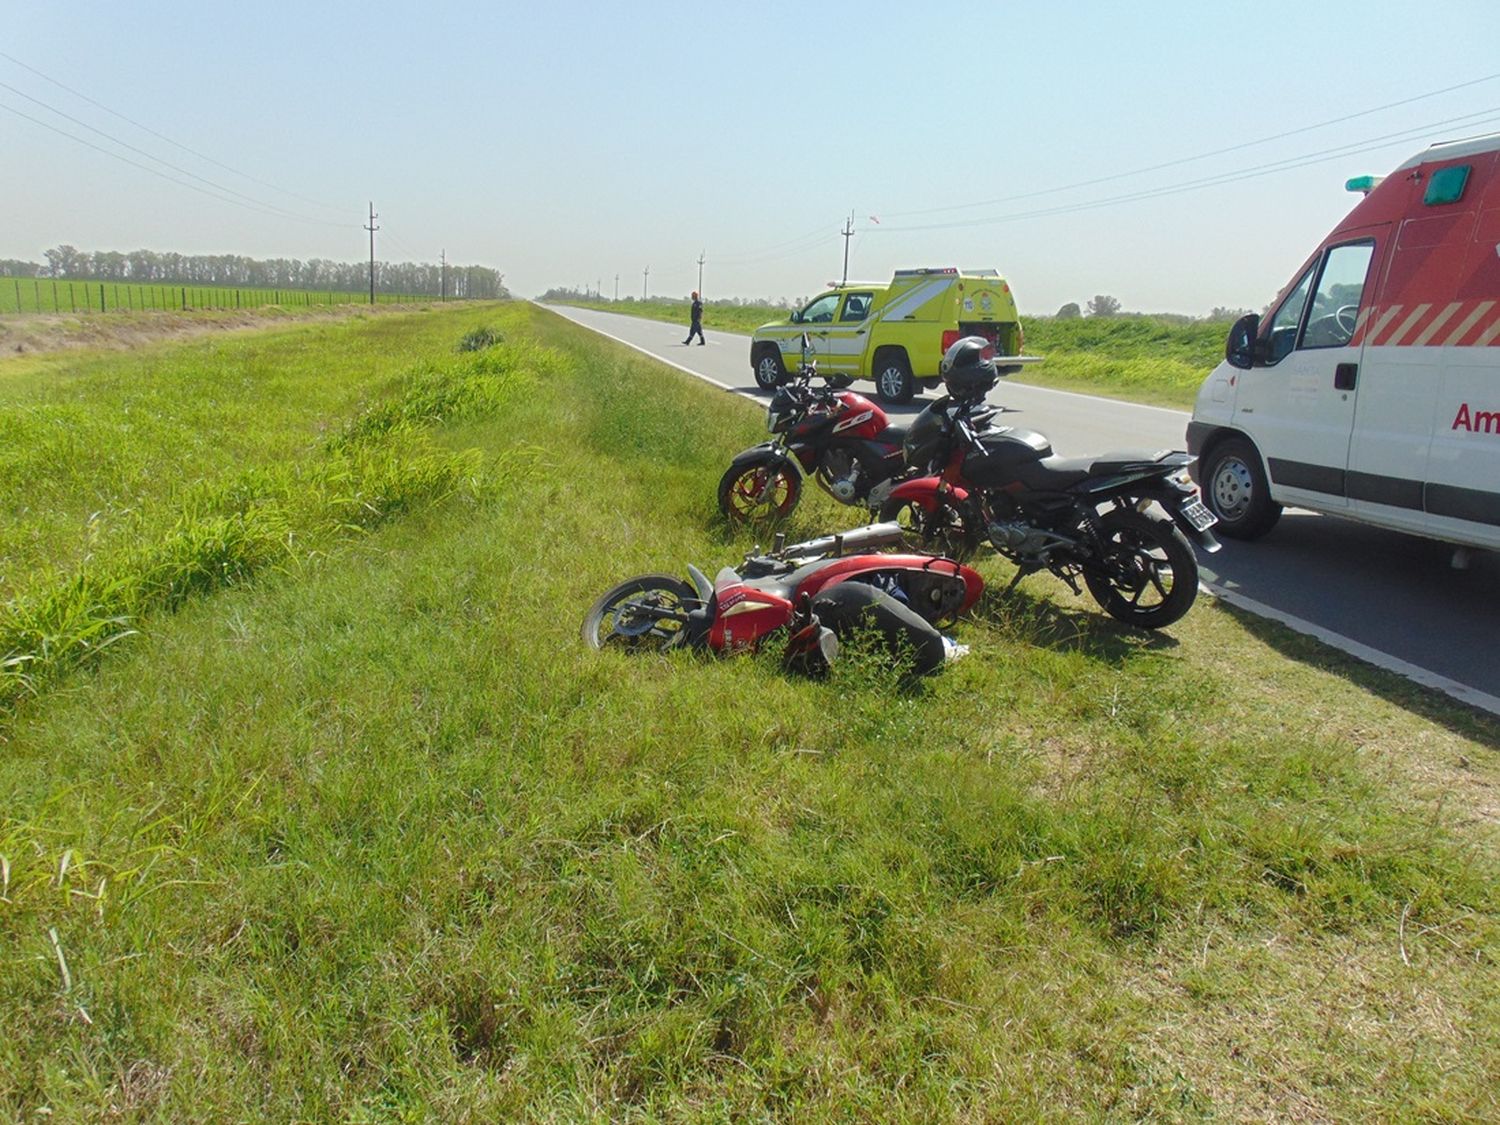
894 334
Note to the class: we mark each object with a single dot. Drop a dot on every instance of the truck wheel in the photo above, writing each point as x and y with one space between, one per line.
893 379
1235 487
769 370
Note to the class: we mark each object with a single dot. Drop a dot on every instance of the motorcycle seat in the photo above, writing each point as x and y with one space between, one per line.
895 435
1064 472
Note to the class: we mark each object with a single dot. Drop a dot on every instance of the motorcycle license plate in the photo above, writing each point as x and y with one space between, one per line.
1198 515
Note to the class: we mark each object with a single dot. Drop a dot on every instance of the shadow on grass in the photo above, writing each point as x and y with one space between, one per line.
1036 620
1446 711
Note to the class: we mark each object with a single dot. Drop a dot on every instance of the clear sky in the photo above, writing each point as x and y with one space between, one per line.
564 144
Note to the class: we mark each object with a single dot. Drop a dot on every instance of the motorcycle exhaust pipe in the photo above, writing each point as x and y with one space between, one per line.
856 539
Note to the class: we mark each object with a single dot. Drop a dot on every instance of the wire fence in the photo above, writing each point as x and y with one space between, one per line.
48 295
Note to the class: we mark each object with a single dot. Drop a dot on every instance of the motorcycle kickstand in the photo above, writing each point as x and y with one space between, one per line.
1023 570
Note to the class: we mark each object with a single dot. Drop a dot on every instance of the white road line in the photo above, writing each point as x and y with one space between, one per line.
1414 672
654 355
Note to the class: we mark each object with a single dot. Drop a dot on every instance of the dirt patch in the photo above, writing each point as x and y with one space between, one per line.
33 333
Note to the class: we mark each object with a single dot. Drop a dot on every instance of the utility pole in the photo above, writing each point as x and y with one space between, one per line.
701 255
617 288
645 282
372 228
598 289
847 232
445 274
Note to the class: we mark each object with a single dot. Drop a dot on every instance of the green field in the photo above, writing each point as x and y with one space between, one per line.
1159 360
33 294
316 807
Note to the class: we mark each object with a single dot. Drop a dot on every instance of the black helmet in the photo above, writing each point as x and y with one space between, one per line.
968 367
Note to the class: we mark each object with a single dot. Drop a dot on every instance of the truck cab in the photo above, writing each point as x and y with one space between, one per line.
1371 387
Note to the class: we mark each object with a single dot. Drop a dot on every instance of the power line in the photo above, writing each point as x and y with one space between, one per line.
148 168
166 163
164 137
1192 159
1285 165
818 233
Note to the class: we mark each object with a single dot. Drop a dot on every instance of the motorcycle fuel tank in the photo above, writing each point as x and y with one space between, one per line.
1001 453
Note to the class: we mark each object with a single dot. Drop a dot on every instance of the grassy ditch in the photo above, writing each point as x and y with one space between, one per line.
1156 360
374 837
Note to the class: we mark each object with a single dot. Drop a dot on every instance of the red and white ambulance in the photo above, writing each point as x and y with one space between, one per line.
1371 388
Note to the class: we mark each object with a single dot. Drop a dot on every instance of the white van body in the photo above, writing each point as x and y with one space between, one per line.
1371 388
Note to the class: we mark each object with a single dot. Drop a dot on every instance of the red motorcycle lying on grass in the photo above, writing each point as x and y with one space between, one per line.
816 592
840 439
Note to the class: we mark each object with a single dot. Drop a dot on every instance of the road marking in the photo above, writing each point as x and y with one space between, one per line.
1384 660
648 351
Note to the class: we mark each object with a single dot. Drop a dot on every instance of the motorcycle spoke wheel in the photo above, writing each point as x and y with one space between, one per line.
759 492
1148 575
645 614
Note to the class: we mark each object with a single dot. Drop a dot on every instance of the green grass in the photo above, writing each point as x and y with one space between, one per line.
44 295
374 837
1157 360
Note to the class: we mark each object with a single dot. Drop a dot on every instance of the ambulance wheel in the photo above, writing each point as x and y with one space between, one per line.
1235 487
893 379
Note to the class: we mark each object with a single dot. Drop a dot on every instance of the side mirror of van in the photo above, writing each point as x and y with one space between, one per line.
795 318
1240 349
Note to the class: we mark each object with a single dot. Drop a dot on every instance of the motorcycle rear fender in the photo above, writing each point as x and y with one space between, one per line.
923 492
1172 497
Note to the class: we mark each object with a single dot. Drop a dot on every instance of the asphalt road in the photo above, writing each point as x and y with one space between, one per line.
1387 598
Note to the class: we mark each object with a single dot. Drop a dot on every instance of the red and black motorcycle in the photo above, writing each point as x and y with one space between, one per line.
815 591
1098 519
841 439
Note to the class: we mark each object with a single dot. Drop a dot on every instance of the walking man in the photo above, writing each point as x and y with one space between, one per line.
696 328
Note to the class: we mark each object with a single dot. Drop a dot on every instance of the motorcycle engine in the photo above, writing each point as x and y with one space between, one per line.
1024 540
840 474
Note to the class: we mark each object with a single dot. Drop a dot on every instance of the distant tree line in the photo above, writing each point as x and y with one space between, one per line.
566 293
145 267
1103 304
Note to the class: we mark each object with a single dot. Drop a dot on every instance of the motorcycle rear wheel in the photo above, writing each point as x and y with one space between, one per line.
761 490
942 531
1149 574
644 614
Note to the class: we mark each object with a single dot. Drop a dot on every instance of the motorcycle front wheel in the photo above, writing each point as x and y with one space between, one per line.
761 490
645 614
942 531
1148 575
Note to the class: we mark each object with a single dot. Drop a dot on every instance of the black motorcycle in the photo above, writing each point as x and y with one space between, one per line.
1087 518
